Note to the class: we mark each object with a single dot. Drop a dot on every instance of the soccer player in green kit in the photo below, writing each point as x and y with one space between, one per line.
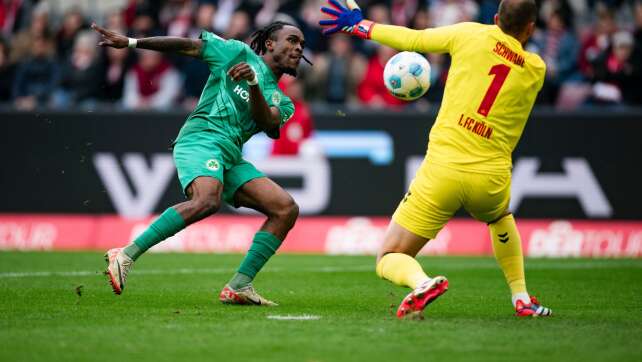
240 99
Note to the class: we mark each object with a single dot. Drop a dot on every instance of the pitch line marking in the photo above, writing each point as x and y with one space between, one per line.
288 317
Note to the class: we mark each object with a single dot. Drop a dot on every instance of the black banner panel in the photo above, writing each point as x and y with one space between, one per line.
570 165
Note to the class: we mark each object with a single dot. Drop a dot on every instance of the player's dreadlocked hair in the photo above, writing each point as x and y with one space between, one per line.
260 36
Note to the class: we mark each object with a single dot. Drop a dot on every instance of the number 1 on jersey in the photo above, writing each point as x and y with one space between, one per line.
500 71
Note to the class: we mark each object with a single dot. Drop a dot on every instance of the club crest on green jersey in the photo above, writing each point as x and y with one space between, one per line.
276 98
212 165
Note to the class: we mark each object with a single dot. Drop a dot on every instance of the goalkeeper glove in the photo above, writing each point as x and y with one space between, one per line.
347 20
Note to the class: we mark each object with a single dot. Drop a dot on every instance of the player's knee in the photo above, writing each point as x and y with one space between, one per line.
498 219
287 212
206 205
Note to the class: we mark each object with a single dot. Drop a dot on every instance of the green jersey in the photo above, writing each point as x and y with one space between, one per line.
224 107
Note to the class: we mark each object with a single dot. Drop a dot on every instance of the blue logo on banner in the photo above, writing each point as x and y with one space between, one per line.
377 146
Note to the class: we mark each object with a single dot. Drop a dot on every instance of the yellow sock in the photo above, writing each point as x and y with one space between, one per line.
507 246
401 269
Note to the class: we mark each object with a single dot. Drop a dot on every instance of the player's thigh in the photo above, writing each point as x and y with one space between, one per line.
263 195
248 187
204 187
432 199
198 156
400 240
487 196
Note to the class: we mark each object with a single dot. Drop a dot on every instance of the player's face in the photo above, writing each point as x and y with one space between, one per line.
287 49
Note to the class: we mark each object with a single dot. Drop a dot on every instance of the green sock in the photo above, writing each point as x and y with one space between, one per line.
239 280
169 223
263 247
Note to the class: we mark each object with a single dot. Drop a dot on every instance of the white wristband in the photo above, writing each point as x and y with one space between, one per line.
132 43
254 80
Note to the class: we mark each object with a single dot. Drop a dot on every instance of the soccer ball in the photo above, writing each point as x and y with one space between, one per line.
407 75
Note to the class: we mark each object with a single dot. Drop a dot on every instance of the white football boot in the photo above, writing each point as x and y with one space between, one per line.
118 266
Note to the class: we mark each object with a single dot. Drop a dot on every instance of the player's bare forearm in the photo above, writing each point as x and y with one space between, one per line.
265 116
167 44
171 44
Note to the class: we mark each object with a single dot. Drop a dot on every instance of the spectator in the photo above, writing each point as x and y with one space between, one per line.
335 75
224 13
636 58
115 21
299 128
176 17
439 63
372 91
72 23
487 11
7 72
152 83
195 71
239 26
310 15
203 19
267 12
114 70
144 24
558 47
378 13
338 66
81 74
37 77
598 41
614 72
403 11
448 12
38 28
9 16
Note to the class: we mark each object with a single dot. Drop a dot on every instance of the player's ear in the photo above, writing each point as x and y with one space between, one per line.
269 45
496 19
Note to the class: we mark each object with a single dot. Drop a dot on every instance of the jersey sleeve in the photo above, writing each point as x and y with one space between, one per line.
286 110
432 40
217 51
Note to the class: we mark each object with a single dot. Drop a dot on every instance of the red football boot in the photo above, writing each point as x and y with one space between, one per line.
533 309
413 304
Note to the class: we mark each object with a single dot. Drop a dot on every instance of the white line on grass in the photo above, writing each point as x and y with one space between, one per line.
288 317
178 271
454 265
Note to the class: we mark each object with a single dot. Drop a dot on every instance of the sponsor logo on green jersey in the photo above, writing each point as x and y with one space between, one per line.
241 92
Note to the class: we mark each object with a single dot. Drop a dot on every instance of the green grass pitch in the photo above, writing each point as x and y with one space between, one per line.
58 307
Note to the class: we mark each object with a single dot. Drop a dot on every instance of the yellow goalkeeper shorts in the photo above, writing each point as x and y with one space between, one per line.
437 192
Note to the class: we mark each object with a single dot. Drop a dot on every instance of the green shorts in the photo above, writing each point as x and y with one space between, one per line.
204 154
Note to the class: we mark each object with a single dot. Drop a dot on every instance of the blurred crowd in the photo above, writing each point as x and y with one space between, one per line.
49 57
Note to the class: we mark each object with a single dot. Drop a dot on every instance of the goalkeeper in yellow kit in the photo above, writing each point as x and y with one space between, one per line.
491 87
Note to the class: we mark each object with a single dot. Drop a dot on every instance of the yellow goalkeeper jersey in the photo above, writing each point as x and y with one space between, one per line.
490 91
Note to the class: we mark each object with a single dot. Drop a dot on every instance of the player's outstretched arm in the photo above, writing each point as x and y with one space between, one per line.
167 44
349 19
266 117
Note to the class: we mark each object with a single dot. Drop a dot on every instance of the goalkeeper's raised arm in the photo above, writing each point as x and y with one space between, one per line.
167 44
349 19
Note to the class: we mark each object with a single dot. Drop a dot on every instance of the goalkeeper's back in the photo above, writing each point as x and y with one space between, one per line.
490 91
